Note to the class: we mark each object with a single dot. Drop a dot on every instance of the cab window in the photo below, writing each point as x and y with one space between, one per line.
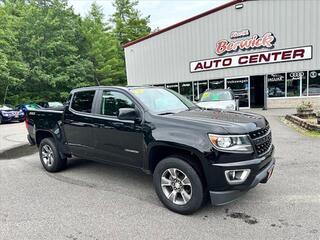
112 101
82 101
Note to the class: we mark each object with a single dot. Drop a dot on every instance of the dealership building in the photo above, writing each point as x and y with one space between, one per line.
266 51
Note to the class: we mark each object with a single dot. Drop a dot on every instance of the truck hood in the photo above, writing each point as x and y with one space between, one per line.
223 122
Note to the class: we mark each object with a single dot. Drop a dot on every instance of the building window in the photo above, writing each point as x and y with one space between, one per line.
314 83
186 90
199 88
216 84
294 84
276 85
173 86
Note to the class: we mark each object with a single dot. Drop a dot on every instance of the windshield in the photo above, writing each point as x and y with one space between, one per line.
55 104
161 101
32 106
217 95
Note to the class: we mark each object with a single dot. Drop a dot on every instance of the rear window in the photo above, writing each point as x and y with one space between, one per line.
82 101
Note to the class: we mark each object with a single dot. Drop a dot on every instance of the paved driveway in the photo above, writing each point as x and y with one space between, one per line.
95 201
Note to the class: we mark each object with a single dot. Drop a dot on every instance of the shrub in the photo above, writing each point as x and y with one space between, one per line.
304 106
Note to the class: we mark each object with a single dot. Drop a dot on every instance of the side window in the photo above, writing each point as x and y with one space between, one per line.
82 101
112 101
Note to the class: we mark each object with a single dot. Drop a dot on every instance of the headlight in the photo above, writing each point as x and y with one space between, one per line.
230 107
5 114
21 112
234 143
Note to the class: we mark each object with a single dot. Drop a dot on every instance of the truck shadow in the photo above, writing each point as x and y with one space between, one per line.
18 152
108 178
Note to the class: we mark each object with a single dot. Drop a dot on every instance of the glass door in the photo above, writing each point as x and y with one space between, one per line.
240 86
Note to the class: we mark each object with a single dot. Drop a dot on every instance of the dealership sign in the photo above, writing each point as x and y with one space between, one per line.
242 41
266 57
224 46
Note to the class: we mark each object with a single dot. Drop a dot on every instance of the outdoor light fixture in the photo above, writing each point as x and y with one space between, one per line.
239 6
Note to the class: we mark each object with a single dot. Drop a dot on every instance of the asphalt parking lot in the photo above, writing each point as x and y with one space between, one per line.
95 201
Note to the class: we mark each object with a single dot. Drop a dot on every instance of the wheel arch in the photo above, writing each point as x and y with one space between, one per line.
42 134
162 150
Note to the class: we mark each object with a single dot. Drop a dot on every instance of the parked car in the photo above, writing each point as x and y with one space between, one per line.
218 98
51 105
28 106
192 153
9 114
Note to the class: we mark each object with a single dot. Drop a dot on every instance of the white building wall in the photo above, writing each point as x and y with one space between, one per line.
165 58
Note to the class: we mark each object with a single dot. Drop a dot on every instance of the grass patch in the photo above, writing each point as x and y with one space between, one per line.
300 129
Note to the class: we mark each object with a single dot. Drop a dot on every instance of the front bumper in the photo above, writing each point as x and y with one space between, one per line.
224 197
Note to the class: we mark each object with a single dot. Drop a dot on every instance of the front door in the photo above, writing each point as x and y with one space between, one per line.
241 88
116 140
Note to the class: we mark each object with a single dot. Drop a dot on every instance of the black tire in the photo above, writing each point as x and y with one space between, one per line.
56 162
197 192
0 119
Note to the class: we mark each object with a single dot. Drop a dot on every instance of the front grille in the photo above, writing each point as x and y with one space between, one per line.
260 132
262 139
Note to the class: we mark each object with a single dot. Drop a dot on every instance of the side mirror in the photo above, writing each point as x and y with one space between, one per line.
128 114
236 97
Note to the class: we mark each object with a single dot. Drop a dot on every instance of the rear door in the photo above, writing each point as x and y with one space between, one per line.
78 123
117 140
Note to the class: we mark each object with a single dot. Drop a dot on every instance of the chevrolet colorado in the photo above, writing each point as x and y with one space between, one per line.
192 153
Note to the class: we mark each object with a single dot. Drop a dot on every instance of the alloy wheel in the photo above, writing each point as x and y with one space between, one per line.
47 155
176 186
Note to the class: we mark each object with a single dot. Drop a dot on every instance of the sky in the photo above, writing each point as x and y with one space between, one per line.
163 12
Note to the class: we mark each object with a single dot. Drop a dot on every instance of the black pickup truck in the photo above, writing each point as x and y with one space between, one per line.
192 153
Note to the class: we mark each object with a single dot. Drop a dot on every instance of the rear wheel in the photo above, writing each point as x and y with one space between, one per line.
50 157
178 185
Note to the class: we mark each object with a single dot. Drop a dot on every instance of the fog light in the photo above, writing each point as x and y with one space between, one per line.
237 176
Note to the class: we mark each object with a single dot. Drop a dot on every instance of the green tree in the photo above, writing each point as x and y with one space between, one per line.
128 22
50 39
13 70
101 48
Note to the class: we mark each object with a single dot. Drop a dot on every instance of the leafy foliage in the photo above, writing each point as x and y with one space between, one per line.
46 49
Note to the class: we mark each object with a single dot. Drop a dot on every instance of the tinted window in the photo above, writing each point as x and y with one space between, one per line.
112 101
200 87
276 85
186 90
314 83
173 86
82 101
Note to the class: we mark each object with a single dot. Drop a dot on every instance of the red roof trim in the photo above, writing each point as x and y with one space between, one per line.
184 22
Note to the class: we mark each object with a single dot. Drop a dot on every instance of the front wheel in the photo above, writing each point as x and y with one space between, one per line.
50 157
178 185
